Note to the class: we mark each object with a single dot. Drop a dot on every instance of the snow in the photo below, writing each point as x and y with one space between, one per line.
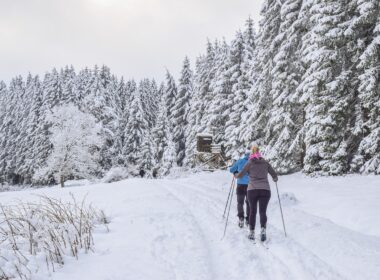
204 135
172 229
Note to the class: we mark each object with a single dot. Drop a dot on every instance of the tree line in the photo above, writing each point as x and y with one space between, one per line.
304 86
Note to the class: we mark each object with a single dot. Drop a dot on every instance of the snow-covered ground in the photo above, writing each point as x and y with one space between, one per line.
172 229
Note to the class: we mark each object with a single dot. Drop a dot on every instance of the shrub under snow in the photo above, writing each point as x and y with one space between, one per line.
116 174
37 237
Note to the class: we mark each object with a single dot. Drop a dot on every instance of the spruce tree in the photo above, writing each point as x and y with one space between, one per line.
284 132
160 133
68 78
118 159
367 157
135 130
38 141
203 97
236 101
170 94
4 97
180 111
220 87
326 91
259 101
52 89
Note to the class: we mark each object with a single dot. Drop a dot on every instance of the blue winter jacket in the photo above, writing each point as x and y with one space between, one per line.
238 166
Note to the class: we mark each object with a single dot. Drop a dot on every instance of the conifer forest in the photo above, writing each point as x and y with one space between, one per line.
304 85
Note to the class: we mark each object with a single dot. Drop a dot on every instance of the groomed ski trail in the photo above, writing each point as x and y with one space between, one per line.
171 229
316 247
239 256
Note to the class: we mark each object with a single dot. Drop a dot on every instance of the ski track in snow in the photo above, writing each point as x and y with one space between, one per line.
191 245
172 229
291 262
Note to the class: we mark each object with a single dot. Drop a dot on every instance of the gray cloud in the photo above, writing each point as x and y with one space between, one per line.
135 38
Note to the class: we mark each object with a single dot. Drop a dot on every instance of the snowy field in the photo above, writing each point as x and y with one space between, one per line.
172 229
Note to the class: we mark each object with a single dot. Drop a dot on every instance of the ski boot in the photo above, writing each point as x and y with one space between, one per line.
263 234
241 222
251 235
247 222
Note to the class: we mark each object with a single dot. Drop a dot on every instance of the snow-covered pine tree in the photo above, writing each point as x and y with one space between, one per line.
154 101
255 120
76 138
149 102
367 22
4 97
68 78
326 89
126 97
15 106
197 116
130 89
22 109
246 80
159 132
147 160
136 130
193 121
204 74
52 90
149 96
239 87
170 94
118 159
81 87
220 87
100 101
180 111
169 157
24 136
3 101
284 130
249 36
37 137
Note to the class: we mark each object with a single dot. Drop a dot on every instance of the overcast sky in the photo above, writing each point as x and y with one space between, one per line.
135 38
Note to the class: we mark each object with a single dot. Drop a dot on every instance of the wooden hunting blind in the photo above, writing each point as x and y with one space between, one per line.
209 155
204 142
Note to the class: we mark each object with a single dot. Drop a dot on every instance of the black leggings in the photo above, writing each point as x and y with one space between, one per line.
241 194
262 197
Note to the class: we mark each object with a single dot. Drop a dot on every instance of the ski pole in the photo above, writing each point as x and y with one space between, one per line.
229 208
228 198
282 215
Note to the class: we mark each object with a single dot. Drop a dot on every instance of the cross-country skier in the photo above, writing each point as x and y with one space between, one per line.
241 189
258 189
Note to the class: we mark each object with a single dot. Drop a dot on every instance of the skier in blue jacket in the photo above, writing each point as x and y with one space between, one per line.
241 189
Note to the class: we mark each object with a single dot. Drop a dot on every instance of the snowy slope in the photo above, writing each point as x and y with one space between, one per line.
172 229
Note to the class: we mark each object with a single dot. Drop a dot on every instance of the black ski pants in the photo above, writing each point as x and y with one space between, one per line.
262 197
241 194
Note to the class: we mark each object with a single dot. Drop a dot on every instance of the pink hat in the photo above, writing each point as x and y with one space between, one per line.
256 155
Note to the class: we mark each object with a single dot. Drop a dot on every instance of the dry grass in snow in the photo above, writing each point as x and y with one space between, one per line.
38 236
